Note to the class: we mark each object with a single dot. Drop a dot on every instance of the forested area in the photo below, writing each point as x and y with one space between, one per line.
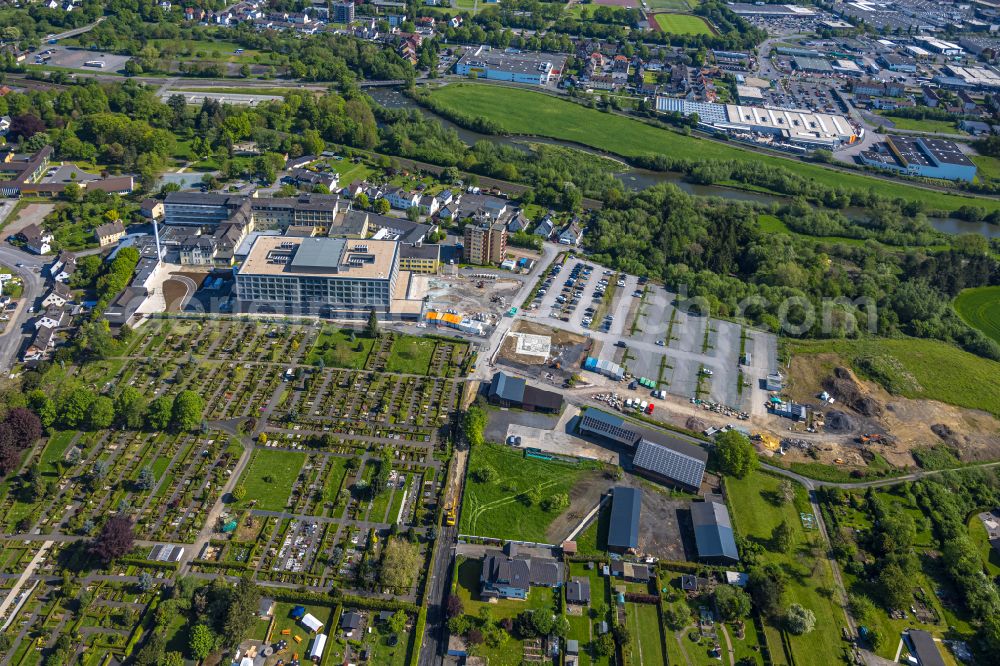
889 558
715 250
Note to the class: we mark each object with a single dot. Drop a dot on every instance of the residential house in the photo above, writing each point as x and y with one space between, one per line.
545 227
578 591
43 342
518 222
59 296
429 204
572 234
485 242
350 622
110 233
62 269
511 576
151 209
402 199
52 318
931 97
37 239
420 258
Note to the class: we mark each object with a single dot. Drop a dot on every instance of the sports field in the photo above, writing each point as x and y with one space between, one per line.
528 112
980 308
682 24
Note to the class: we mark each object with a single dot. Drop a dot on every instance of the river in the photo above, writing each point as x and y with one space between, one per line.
640 179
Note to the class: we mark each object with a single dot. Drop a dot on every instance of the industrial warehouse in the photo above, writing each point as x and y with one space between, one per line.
534 68
802 130
920 156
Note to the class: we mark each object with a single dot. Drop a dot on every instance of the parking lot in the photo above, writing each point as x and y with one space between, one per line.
60 56
652 335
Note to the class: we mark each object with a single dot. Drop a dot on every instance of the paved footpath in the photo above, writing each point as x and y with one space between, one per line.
25 575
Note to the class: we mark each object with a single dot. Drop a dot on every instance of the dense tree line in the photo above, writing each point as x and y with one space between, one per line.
715 253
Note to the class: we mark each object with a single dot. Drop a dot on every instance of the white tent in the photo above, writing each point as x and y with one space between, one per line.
316 653
311 623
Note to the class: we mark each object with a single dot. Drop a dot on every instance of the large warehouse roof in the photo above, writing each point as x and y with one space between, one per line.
713 531
623 531
675 460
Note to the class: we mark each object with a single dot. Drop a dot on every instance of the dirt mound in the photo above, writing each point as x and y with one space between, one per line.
846 388
838 422
946 434
695 424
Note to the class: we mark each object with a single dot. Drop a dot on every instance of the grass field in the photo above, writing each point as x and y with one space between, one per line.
503 508
925 125
672 5
916 368
989 167
991 559
411 355
980 308
682 24
54 452
270 476
810 578
643 621
335 348
527 112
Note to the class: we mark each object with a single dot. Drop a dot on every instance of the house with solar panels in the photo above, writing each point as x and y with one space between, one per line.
713 533
658 456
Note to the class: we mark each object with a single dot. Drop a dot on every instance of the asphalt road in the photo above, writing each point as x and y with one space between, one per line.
30 273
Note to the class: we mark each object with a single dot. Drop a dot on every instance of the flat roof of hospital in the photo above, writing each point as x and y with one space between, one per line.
320 257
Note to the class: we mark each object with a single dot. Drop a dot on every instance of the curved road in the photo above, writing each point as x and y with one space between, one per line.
29 268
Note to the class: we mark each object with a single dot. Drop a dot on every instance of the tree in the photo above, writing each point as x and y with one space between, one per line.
397 623
25 426
732 602
485 474
362 201
202 641
474 424
130 408
74 407
371 328
894 586
604 646
102 413
786 491
145 480
381 206
454 606
159 413
799 620
146 581
186 412
766 585
556 503
116 538
781 537
239 492
241 611
735 454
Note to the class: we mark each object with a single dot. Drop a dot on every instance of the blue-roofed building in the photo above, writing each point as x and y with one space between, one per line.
597 422
658 455
713 533
673 462
623 530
